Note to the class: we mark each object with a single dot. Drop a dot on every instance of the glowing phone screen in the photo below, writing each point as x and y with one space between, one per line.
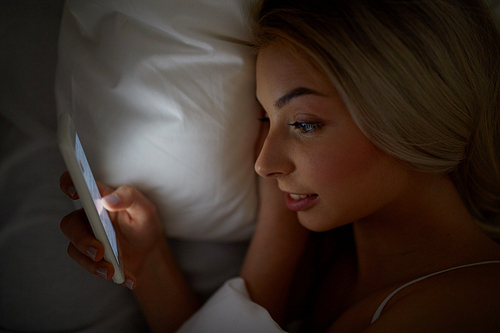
96 196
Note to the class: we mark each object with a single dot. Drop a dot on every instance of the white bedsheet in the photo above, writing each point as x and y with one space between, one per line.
230 310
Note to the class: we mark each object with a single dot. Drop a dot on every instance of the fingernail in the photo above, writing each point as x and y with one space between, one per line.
129 284
92 251
71 191
112 199
102 272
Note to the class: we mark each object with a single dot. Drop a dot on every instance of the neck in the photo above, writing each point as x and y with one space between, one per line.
429 230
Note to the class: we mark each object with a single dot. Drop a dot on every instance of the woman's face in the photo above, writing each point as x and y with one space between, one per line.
329 171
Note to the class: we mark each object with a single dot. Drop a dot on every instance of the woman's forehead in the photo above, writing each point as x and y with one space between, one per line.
285 65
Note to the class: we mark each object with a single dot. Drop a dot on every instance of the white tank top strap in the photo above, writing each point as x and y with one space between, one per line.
384 303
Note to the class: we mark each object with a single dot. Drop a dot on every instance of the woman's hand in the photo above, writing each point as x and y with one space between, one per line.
137 227
160 289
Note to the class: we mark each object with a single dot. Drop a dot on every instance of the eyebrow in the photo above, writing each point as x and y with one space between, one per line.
286 98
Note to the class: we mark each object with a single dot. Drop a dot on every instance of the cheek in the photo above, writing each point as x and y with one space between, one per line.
348 161
350 184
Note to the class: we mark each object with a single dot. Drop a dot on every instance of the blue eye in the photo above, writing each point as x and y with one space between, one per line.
305 128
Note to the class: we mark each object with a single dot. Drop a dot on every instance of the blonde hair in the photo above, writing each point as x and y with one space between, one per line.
420 78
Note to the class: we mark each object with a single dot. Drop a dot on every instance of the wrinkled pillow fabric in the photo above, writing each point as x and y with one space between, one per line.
162 95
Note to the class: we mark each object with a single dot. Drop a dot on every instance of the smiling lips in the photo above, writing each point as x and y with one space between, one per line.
300 202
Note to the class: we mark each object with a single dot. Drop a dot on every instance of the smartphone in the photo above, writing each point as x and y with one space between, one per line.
81 174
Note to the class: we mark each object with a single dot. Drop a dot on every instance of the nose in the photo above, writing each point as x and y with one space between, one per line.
274 159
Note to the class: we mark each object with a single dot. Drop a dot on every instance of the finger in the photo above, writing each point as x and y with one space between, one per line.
130 280
101 268
75 227
67 186
127 198
104 189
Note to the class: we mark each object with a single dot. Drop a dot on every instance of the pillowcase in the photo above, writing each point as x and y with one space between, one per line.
162 96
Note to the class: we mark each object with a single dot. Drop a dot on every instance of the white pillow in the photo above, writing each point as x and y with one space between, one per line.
162 94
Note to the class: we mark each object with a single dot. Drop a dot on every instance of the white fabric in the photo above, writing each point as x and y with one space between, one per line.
162 94
230 310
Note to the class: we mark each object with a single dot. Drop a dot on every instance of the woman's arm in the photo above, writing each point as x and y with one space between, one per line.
275 251
162 292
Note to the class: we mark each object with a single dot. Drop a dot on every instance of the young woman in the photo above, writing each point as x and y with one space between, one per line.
383 140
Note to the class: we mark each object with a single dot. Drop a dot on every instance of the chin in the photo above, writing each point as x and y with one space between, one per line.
315 223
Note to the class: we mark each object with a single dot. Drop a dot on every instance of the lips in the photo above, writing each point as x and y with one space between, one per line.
300 202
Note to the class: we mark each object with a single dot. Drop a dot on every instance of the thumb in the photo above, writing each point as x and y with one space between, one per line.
127 198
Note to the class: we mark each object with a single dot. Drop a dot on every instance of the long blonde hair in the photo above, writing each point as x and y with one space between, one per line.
420 78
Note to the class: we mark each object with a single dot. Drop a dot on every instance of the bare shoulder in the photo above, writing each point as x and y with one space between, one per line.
462 300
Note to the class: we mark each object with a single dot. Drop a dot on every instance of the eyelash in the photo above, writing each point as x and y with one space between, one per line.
303 127
306 128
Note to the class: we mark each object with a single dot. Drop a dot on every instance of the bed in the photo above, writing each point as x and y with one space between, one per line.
162 94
